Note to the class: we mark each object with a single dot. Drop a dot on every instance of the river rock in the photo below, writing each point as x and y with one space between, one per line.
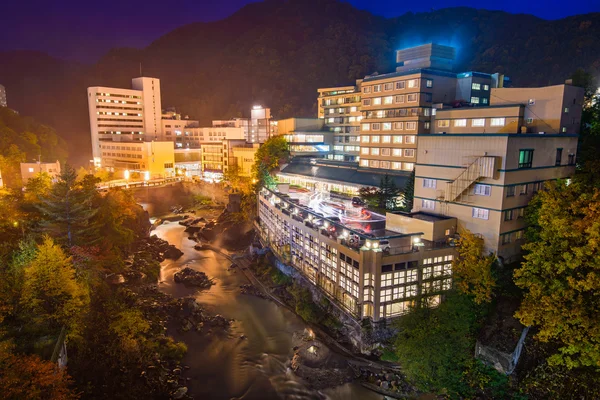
385 385
173 253
180 392
190 277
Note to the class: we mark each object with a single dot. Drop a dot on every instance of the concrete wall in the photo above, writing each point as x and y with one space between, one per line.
30 170
432 230
513 119
545 106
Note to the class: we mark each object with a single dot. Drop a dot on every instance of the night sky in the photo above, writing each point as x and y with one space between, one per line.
85 30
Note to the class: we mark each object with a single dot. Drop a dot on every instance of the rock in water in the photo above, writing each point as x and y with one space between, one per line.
173 253
180 392
190 277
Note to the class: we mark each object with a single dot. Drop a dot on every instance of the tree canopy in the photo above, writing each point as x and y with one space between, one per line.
269 157
472 269
561 273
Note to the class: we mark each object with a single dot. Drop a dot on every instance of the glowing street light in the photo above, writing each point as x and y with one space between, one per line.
147 176
126 174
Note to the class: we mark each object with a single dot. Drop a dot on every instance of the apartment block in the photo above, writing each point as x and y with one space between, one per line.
339 107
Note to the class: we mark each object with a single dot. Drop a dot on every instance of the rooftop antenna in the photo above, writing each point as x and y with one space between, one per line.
141 69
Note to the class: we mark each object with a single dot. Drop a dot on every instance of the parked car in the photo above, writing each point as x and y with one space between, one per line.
357 201
384 245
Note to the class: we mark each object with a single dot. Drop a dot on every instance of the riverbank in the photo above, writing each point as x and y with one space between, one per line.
252 359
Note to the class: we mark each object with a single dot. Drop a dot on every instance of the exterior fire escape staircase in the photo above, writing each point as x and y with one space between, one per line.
482 167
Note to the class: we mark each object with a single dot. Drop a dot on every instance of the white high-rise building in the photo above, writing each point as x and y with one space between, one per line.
126 128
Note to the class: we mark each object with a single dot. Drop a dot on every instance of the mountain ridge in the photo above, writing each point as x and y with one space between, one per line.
278 53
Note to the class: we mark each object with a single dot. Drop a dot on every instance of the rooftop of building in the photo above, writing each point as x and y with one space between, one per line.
343 172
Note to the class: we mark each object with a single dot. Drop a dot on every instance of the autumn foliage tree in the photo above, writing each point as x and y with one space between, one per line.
472 270
52 296
29 377
561 273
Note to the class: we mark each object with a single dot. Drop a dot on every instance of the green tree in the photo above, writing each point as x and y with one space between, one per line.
269 157
409 192
388 193
67 209
370 195
472 270
435 345
51 293
561 273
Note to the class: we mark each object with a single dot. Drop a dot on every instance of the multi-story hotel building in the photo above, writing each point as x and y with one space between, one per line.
483 165
479 150
126 128
339 107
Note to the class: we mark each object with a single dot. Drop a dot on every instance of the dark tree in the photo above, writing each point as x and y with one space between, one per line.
67 210
409 192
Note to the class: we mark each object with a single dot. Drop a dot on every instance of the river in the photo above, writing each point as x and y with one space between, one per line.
226 366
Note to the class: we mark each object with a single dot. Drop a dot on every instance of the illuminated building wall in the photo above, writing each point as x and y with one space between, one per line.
339 107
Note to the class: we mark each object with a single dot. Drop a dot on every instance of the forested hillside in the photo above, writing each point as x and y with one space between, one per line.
278 53
22 139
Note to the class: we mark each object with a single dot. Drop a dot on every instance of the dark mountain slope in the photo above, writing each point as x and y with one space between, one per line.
277 53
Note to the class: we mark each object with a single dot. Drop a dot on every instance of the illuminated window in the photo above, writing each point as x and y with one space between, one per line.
428 204
30 169
481 213
366 127
486 87
397 152
476 86
364 163
386 139
429 183
388 99
413 83
497 122
365 139
408 166
399 126
397 139
444 123
475 100
409 139
377 101
374 139
482 190
460 122
478 122
429 83
364 150
374 151
396 165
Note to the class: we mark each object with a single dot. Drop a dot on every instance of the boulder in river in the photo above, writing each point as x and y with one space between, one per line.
190 277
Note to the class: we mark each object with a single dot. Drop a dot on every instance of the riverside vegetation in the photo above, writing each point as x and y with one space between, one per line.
76 261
